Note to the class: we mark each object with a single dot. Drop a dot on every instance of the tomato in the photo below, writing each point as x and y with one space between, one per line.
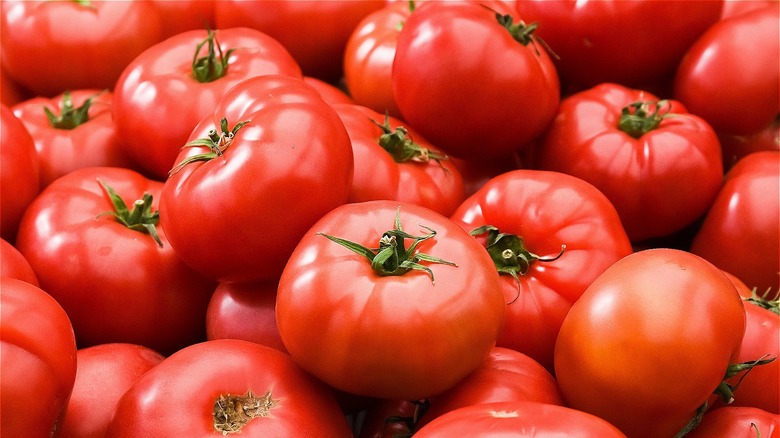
423 317
736 147
104 373
38 359
738 422
396 163
737 7
740 232
518 419
244 311
652 337
11 93
476 174
619 41
562 233
330 93
19 170
731 75
165 91
182 15
315 32
660 165
473 81
227 386
118 281
15 265
72 131
51 47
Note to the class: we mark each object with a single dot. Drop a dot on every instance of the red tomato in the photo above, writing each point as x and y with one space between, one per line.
659 165
562 234
15 265
38 359
182 15
281 160
170 87
105 372
19 170
72 131
50 47
227 386
11 93
315 32
396 163
736 147
117 283
330 93
518 419
641 347
389 331
741 231
731 76
472 81
738 422
737 7
244 311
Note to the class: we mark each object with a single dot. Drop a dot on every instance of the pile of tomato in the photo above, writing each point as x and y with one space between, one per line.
384 218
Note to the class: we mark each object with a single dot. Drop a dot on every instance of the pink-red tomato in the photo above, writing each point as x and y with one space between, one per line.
738 422
330 93
19 171
179 16
15 265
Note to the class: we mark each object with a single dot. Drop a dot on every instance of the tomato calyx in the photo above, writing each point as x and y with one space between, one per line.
141 218
402 148
765 300
217 142
232 412
522 32
214 65
70 116
392 258
509 253
641 117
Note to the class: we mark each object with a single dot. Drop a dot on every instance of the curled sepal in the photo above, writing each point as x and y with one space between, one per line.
392 257
140 218
402 148
217 142
214 65
232 412
765 300
726 390
641 117
70 116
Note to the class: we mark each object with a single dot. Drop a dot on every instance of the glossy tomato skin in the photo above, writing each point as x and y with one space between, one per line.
618 41
518 419
19 171
158 101
731 75
198 375
104 373
15 265
93 143
433 184
51 47
116 284
309 29
643 337
659 182
290 164
738 422
740 231
547 210
463 81
330 93
396 336
38 358
179 16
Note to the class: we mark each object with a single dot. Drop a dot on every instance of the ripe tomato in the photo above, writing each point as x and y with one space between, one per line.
738 422
731 76
115 280
389 331
396 163
659 165
11 93
165 91
104 373
330 93
472 81
182 15
227 386
736 147
72 131
15 265
562 233
38 359
272 159
741 231
649 341
51 47
19 170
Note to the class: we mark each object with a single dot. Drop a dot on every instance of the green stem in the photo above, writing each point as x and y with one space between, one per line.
141 218
217 142
214 65
401 147
641 117
70 116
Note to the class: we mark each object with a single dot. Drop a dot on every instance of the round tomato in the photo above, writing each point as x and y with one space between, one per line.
649 341
38 359
740 232
738 422
94 240
330 93
19 172
474 82
659 164
736 147
226 386
15 265
51 47
404 321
